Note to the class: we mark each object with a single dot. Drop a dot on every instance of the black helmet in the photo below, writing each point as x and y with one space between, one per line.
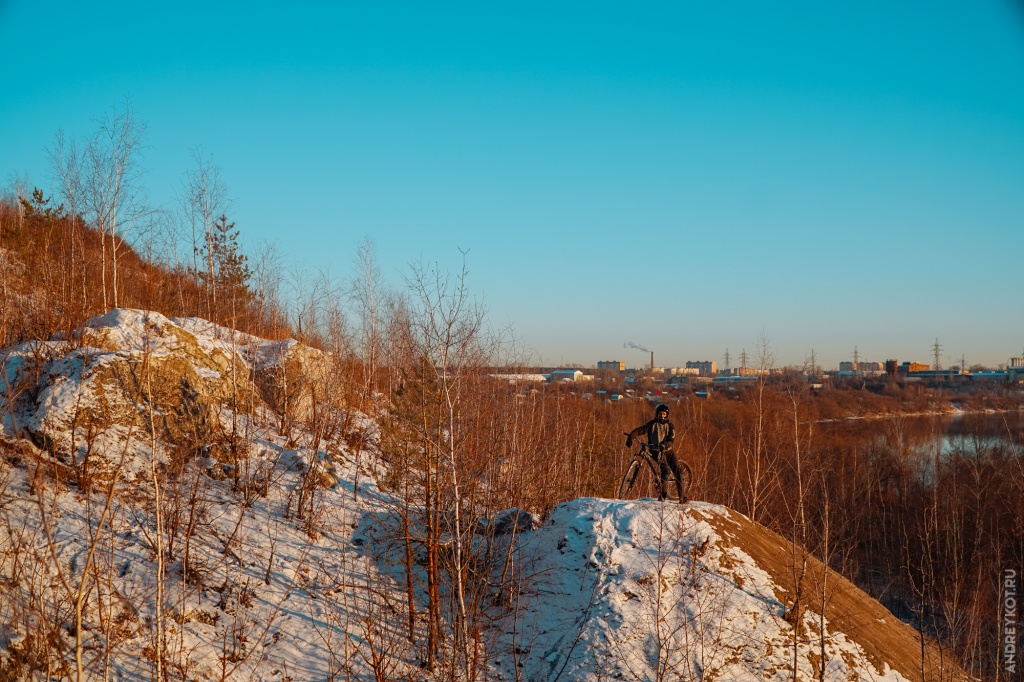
659 409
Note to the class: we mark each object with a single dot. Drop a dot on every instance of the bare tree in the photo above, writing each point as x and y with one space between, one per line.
443 354
106 179
369 294
757 463
64 160
268 278
203 197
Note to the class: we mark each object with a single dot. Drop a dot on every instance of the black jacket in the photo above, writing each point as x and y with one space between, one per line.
659 436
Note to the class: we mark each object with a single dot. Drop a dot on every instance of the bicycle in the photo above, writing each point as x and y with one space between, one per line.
644 455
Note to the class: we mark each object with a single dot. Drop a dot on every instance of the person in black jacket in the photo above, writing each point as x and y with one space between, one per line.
659 435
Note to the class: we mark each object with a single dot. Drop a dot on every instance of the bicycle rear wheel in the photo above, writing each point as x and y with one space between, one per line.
671 491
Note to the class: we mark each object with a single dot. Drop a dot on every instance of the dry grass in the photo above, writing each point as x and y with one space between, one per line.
848 609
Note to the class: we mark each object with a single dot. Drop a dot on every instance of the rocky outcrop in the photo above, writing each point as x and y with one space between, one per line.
132 381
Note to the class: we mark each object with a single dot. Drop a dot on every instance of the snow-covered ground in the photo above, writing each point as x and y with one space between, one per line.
645 590
293 576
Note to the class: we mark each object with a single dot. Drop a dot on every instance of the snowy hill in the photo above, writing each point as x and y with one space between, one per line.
277 556
649 591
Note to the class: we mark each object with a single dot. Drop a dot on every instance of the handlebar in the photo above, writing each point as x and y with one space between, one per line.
644 445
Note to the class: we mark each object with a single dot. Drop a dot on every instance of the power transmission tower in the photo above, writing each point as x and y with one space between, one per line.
743 359
727 358
937 350
856 359
814 369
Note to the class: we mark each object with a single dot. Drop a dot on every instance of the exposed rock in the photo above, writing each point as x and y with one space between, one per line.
128 378
291 378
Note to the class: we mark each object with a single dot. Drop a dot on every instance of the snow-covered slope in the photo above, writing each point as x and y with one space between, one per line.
644 590
289 569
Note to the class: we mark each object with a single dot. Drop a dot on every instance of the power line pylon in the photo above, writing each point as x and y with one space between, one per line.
937 350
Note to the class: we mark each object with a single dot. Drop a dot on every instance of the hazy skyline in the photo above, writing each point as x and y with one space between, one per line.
690 178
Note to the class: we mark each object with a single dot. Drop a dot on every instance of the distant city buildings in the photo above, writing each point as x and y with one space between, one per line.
726 377
744 372
868 369
908 368
554 376
614 380
705 368
698 376
521 378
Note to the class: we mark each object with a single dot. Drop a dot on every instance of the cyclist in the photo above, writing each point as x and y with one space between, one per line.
659 434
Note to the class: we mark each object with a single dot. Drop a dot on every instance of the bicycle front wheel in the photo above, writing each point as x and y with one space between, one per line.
629 478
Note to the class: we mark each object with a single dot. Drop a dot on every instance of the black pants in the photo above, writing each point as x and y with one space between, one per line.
669 464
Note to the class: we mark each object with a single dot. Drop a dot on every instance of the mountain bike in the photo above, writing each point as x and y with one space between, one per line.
645 456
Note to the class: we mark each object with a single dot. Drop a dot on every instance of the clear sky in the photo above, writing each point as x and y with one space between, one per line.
687 176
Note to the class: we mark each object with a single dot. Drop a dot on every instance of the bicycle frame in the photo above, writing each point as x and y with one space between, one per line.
645 454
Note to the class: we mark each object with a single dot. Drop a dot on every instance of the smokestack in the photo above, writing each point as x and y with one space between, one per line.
652 360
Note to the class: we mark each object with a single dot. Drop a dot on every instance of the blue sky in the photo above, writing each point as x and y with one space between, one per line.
691 177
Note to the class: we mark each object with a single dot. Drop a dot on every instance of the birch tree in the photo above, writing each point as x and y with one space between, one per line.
204 196
113 193
102 178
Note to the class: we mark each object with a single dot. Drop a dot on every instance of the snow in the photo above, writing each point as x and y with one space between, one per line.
612 590
213 338
648 589
600 589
